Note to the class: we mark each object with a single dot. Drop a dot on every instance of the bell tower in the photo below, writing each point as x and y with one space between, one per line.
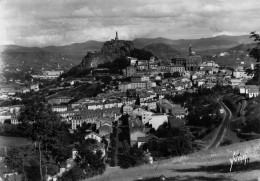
190 50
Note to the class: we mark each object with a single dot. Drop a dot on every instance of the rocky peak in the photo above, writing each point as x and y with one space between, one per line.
110 51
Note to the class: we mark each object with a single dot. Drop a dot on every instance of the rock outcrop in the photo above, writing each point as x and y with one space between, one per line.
110 51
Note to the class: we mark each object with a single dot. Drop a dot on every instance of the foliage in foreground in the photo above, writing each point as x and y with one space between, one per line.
132 157
43 126
28 161
173 142
89 160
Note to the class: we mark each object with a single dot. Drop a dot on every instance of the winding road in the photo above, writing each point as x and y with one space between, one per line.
221 130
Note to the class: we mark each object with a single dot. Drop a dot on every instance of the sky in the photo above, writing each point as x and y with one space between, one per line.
61 22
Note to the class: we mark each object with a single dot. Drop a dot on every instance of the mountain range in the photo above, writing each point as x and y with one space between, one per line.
70 55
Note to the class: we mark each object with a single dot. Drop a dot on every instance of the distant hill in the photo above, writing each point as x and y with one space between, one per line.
162 50
241 49
76 48
236 55
203 45
47 57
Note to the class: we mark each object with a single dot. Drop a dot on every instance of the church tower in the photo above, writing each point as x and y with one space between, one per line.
190 50
191 53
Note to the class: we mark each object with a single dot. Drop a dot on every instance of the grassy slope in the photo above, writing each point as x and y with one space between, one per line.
205 165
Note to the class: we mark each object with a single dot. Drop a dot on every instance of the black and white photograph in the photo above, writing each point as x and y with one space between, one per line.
129 90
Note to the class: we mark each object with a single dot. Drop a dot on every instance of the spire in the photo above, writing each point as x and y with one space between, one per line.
116 36
190 50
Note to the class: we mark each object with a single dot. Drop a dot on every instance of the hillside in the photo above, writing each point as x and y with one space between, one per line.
71 55
236 55
110 51
161 50
206 165
47 57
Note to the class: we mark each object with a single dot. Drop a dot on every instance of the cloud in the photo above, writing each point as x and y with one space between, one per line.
229 33
48 22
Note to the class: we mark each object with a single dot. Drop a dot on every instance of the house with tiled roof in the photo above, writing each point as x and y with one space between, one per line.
105 121
145 139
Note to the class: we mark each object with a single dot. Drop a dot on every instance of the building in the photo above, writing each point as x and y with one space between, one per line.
124 87
145 115
175 68
130 71
5 115
249 90
53 74
132 60
92 116
140 84
59 108
136 132
157 120
190 62
146 139
240 73
10 113
59 100
144 66
140 78
127 109
235 82
35 87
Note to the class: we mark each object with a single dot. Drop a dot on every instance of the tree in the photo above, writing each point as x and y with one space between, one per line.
116 66
132 157
90 158
141 54
74 174
167 75
138 102
7 121
173 141
43 126
255 53
25 159
176 74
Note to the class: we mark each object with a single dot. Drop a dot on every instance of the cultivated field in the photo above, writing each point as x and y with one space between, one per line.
208 165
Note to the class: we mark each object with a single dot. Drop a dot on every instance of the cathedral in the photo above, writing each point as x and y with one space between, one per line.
190 62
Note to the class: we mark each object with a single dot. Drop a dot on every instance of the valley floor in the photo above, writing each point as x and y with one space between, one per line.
208 165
